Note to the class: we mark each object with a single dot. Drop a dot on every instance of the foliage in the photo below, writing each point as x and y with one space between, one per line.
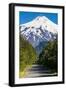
27 54
48 56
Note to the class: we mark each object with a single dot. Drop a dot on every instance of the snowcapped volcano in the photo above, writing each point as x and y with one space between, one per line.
39 30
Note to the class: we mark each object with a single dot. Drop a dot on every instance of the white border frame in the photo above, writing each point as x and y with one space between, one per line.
42 79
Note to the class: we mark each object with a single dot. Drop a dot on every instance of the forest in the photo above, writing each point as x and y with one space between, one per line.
29 56
48 56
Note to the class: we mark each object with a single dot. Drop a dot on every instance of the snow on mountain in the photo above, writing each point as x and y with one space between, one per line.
38 30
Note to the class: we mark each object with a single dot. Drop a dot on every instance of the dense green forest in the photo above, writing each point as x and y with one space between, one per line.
27 54
48 56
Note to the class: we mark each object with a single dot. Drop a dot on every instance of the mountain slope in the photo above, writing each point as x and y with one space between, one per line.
41 21
39 30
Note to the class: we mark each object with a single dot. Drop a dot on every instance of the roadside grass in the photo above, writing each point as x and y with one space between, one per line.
23 74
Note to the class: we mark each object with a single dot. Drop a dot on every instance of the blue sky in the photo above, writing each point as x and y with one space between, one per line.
25 17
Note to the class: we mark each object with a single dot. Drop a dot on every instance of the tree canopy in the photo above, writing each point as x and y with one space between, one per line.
27 54
48 56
